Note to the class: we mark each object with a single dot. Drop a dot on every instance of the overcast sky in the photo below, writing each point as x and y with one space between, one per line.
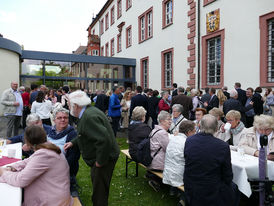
48 25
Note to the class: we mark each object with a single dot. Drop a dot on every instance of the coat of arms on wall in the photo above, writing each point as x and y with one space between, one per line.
213 21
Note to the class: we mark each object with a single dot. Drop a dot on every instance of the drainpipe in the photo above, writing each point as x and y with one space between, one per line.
199 47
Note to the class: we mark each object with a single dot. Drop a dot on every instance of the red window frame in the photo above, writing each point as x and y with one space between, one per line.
112 15
102 26
206 2
128 6
119 3
102 51
106 21
119 48
163 67
263 49
112 48
164 3
145 15
128 44
205 38
106 52
142 71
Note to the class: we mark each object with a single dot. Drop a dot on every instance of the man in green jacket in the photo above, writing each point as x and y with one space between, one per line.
97 144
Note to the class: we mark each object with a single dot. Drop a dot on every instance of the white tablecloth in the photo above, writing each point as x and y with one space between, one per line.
9 195
247 167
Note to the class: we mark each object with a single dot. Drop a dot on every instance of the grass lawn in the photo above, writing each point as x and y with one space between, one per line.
125 192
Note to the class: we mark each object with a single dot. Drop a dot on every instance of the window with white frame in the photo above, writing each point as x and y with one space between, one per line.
169 8
214 61
143 29
112 47
112 16
149 24
168 69
102 26
95 52
270 51
146 25
119 43
119 9
145 73
129 36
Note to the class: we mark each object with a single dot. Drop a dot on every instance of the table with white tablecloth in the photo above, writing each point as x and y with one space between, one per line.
245 167
9 195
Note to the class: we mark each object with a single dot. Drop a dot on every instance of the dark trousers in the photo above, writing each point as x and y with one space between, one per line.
115 124
249 121
26 112
46 121
101 178
13 125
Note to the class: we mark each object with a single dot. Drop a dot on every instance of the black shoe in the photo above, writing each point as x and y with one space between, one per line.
154 185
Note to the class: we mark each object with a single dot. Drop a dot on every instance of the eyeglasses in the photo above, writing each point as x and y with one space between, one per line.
59 118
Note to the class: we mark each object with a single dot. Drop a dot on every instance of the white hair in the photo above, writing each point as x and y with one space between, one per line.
178 108
233 93
33 117
163 115
263 122
59 109
80 98
209 124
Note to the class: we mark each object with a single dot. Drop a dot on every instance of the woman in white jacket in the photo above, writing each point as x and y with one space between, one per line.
42 107
174 160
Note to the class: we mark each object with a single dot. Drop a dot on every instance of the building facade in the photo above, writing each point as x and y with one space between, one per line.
196 43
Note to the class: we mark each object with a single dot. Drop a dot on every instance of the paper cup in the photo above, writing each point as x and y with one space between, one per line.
11 153
227 126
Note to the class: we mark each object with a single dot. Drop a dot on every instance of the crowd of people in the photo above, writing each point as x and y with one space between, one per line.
191 135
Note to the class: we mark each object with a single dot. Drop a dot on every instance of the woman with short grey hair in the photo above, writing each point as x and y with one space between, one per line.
263 125
57 110
177 118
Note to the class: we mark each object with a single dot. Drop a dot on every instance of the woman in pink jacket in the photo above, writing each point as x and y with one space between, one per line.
44 175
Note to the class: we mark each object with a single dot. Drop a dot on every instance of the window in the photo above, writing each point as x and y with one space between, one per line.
144 72
167 13
112 47
119 43
212 59
107 21
267 50
106 50
95 52
128 36
128 4
206 2
102 51
119 9
102 26
146 25
112 16
167 68
93 31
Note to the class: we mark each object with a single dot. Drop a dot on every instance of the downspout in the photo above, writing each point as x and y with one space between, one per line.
198 48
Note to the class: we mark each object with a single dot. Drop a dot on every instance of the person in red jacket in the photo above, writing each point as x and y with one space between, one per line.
164 104
26 105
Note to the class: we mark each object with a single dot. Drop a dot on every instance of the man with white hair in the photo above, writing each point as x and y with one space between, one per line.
234 104
13 108
97 144
208 171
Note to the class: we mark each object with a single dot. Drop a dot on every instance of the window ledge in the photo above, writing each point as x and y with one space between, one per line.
167 25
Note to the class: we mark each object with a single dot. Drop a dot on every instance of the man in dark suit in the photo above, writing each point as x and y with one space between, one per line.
102 102
208 171
184 100
175 92
138 100
241 93
206 96
234 104
213 101
97 144
225 92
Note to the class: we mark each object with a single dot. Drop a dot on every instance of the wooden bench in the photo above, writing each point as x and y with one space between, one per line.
76 202
129 160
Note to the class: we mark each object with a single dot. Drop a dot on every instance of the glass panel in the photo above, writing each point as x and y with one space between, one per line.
32 67
104 71
28 81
